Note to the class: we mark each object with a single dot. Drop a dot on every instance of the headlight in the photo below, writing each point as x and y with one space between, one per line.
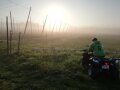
96 61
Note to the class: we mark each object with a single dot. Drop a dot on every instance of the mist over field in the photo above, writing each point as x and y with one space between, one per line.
19 27
71 37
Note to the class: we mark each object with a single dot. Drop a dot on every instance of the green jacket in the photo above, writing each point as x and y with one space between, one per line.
97 49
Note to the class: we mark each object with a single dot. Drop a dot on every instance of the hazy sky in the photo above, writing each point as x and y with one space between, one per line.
94 13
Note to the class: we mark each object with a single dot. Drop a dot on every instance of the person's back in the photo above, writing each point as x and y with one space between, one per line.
96 48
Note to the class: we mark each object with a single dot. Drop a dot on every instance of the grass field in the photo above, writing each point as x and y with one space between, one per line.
36 69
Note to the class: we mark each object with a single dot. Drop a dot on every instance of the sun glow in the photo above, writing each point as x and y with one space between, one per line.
56 15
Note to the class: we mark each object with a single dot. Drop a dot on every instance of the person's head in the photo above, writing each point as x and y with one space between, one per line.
94 39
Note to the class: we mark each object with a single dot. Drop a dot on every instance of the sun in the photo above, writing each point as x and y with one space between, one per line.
56 15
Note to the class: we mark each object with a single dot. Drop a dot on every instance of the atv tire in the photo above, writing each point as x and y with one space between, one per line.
93 73
114 74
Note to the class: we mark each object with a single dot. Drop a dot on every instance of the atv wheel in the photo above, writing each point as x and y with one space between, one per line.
114 74
93 73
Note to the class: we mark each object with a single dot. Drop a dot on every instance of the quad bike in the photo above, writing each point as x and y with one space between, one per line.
97 67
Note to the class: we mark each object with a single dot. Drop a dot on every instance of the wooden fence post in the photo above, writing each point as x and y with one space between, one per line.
11 33
27 21
19 42
7 35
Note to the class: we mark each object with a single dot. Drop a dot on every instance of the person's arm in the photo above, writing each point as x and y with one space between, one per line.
91 48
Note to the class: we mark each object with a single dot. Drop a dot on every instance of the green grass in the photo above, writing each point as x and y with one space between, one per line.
50 70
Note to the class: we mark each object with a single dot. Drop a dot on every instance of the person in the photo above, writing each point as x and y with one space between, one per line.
85 59
96 48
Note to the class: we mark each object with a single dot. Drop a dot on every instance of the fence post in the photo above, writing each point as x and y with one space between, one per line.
27 21
19 42
7 35
11 33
